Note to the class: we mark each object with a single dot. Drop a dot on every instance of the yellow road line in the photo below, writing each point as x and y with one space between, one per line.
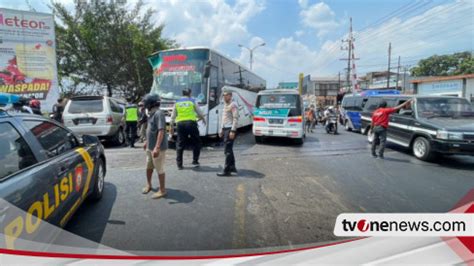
239 219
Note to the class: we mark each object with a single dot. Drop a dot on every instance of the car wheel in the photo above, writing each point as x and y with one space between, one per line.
99 181
370 136
422 149
119 137
258 139
347 126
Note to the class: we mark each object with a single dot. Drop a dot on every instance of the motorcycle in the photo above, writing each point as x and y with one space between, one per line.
331 125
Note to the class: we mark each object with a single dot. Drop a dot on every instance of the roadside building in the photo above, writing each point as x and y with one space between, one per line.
325 89
460 86
378 81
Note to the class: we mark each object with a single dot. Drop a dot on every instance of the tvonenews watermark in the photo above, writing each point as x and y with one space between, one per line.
404 224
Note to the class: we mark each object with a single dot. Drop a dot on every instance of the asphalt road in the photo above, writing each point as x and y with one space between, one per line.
284 194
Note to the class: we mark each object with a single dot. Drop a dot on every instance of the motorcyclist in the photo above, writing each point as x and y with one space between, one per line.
327 114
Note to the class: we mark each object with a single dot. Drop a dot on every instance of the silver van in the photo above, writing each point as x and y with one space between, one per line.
99 116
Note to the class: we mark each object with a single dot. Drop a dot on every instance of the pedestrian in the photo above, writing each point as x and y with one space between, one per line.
58 109
142 121
131 122
186 113
230 117
156 144
310 119
379 125
35 105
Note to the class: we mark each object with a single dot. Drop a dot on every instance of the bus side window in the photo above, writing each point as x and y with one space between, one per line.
213 88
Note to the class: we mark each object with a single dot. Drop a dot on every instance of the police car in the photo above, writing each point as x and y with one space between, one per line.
46 171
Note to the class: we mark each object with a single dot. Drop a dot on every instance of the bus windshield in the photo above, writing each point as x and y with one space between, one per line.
176 70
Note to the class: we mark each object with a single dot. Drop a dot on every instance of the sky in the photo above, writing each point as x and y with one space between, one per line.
305 36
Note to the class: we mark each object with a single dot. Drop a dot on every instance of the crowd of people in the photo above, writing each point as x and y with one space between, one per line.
149 121
320 115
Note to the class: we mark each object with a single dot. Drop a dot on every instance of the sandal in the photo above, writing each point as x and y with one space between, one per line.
146 190
158 195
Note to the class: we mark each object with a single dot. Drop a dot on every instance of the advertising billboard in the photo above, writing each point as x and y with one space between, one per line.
28 55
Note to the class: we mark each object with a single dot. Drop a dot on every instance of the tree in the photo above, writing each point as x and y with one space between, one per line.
445 65
103 45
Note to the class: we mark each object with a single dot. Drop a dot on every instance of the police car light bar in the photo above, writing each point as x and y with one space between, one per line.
8 98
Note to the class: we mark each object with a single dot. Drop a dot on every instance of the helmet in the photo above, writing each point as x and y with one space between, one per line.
331 108
186 92
151 100
383 104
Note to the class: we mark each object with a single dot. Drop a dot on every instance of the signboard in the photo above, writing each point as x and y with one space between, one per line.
440 87
28 55
271 112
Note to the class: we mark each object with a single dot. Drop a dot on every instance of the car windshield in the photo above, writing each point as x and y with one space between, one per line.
174 71
444 107
86 106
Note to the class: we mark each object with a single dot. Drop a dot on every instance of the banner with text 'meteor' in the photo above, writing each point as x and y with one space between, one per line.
27 55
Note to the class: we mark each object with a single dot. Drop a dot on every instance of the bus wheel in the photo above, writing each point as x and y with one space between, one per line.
258 139
346 126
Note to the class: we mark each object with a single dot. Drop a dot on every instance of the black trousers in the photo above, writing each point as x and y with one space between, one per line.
380 138
131 132
228 151
188 133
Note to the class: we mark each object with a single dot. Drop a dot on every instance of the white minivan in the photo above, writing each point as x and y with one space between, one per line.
279 113
99 116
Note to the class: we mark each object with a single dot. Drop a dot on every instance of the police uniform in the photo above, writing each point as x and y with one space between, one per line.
186 114
131 120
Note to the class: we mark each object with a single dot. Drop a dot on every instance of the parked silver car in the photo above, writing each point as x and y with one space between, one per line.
99 116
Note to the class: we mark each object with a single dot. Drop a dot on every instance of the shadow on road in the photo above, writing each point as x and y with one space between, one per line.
280 141
250 174
241 172
396 160
99 212
453 162
178 196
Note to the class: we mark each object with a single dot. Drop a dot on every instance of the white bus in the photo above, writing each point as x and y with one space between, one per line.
207 73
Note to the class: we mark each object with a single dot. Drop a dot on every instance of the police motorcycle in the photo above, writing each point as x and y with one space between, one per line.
331 120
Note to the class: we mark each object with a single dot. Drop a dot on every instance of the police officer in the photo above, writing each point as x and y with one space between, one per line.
131 121
186 113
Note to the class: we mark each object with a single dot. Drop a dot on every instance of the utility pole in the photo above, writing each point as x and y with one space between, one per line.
241 80
349 58
339 80
388 69
404 79
398 72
